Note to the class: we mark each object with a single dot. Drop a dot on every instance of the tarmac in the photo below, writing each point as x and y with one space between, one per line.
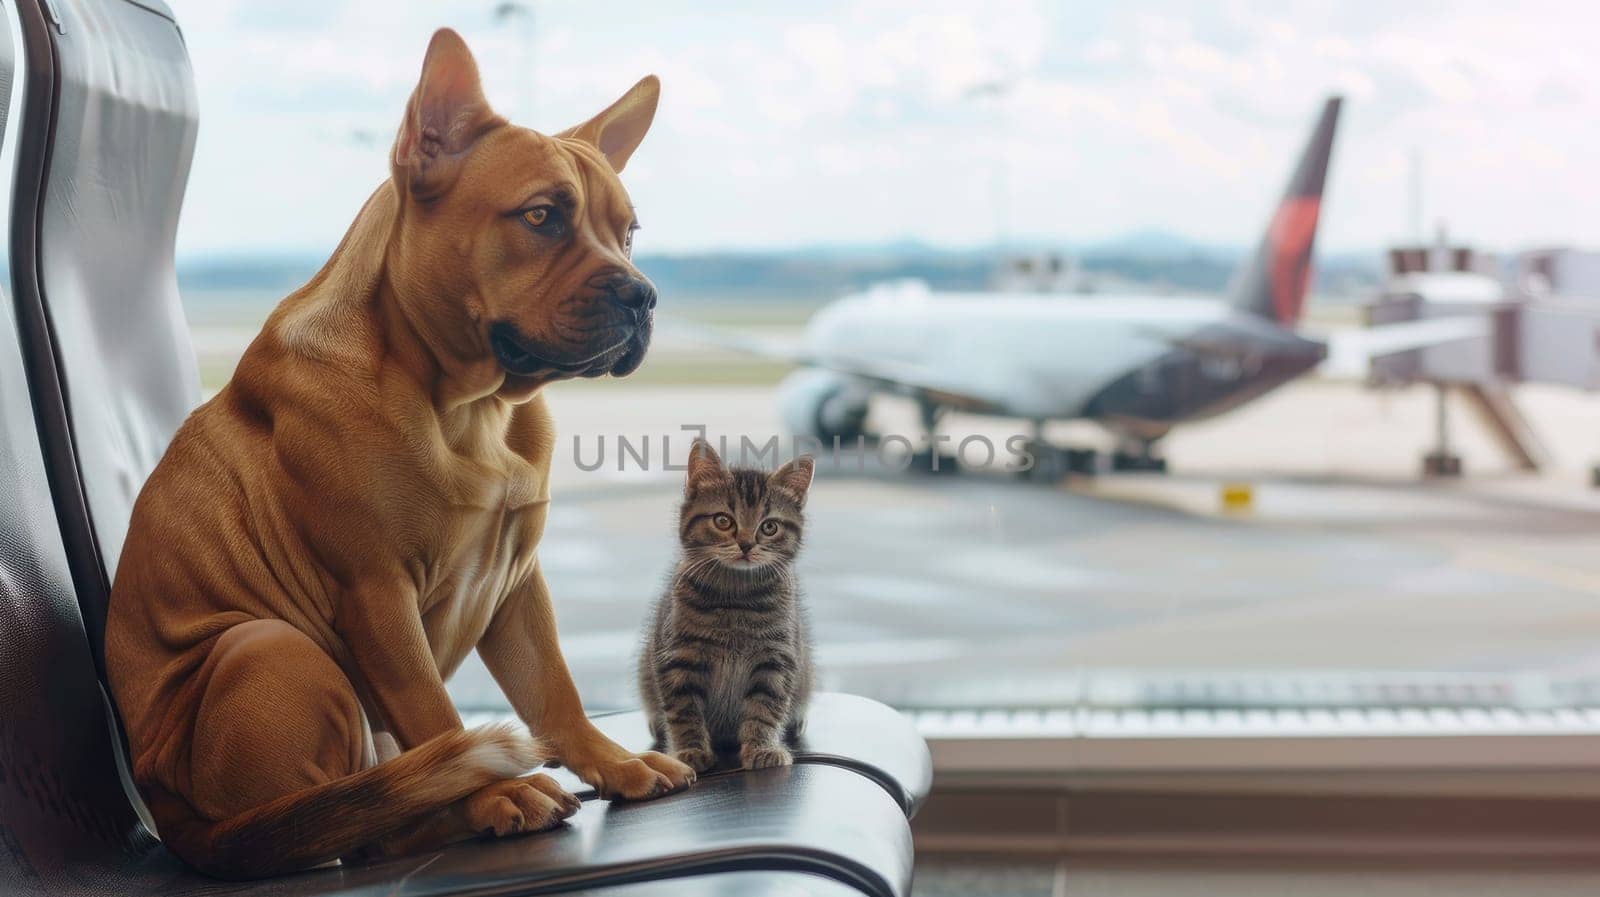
978 589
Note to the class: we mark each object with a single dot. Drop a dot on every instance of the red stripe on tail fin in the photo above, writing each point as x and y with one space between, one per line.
1293 229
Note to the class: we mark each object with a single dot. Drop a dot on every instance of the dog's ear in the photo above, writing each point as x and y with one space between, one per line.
445 117
705 467
619 130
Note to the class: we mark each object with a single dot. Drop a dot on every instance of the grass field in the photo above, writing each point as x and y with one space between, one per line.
664 370
223 321
684 370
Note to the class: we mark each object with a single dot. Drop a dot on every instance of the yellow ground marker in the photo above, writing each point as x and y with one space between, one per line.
1238 498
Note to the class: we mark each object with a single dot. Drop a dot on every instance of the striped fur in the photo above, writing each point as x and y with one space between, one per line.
726 663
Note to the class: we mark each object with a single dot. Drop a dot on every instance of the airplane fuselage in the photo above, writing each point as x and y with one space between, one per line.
1138 363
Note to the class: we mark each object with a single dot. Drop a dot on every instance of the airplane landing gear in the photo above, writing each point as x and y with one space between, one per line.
1052 464
1049 464
934 463
931 461
1141 458
1083 460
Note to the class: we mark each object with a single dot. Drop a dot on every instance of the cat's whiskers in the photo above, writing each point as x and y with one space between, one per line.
694 568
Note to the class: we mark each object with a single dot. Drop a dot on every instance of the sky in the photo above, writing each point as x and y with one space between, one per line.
954 123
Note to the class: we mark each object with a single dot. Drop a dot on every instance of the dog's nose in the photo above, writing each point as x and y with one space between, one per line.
627 290
637 293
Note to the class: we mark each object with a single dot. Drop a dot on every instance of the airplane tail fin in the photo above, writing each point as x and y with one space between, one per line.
1273 282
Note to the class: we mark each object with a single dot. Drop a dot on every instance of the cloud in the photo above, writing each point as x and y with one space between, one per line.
834 122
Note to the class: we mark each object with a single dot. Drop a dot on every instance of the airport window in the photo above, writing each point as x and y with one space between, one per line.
522 446
1291 476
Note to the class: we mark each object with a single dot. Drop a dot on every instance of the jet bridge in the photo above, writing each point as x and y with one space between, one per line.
1532 334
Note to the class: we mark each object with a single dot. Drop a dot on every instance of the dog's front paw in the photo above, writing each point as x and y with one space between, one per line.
529 804
636 776
698 759
762 756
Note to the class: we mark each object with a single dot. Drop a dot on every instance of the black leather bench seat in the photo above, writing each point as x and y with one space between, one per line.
730 884
807 818
816 828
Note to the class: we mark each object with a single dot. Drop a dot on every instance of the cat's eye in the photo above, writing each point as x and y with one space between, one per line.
722 521
769 528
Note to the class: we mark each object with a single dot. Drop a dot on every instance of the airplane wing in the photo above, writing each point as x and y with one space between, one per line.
901 378
1367 342
1231 342
1351 352
1388 339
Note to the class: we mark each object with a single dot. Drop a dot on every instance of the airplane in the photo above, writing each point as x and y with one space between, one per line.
1137 365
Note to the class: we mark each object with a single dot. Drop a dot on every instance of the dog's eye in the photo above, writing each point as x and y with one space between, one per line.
722 521
769 527
545 220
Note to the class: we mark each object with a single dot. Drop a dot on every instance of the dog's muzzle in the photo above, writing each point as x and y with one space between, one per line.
638 297
521 356
631 302
635 294
633 354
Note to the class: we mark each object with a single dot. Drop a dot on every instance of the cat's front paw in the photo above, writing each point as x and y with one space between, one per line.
762 756
697 759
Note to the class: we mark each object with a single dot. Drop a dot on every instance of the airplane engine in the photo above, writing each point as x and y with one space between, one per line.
822 404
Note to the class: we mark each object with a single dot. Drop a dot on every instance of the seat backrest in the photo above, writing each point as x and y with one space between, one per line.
62 802
109 322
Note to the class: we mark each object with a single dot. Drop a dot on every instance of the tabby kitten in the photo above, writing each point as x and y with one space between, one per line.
727 651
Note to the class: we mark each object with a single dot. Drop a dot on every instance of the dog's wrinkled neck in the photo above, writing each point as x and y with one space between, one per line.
416 346
427 329
422 330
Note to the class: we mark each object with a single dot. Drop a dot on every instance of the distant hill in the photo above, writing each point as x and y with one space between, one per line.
240 271
1153 259
1154 245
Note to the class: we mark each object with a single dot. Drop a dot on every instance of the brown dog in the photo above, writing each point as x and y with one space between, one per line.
328 537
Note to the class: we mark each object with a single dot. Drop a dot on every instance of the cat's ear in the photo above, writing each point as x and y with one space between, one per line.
705 467
795 477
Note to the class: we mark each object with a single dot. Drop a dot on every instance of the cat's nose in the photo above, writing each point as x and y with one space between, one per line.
746 546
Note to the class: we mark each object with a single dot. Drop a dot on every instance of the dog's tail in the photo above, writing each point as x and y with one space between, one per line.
322 823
